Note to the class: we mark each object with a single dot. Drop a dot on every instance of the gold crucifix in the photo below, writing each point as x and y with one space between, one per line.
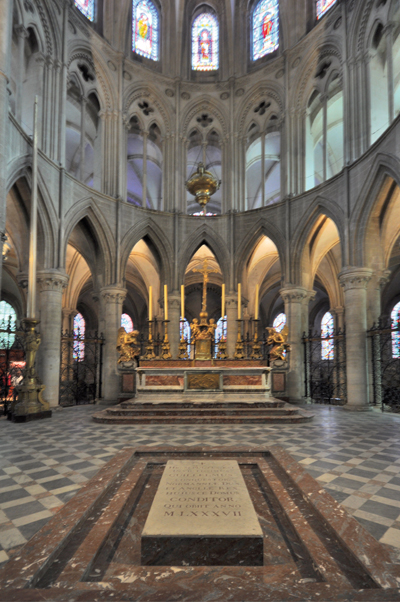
205 271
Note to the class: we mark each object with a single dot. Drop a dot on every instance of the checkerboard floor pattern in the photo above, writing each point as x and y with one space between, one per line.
355 457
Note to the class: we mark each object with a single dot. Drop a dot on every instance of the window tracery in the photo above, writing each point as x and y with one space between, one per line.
127 322
265 26
323 6
86 7
395 316
78 353
327 331
205 43
145 29
8 321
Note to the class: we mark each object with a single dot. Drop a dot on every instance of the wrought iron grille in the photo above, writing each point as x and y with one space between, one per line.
12 362
384 340
80 368
325 379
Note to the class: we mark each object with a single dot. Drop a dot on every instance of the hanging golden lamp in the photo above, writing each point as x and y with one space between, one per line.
202 185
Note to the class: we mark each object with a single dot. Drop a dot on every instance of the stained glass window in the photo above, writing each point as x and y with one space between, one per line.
265 28
86 7
280 322
8 321
220 331
323 6
145 29
395 315
127 323
205 43
327 332
78 353
185 330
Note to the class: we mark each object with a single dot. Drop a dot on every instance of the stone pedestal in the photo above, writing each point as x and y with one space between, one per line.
231 325
296 300
51 285
355 280
111 300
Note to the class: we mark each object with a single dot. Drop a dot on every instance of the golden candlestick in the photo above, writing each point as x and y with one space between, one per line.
256 351
165 347
222 355
239 355
150 355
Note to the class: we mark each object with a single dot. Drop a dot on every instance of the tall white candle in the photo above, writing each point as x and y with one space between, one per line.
31 309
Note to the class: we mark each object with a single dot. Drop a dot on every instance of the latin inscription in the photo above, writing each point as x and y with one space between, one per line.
197 497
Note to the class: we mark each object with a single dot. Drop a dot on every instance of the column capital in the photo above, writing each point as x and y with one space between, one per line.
21 31
113 294
380 278
355 278
52 280
296 294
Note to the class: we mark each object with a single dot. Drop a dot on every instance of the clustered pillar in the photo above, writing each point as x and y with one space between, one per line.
296 300
111 300
51 285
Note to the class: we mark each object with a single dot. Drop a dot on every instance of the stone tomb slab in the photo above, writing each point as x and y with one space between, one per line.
91 549
202 514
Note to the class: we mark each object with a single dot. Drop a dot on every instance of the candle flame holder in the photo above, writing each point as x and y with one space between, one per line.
165 347
256 346
239 354
150 355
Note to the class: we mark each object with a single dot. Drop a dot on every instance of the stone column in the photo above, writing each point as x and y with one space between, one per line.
144 182
338 314
111 300
22 34
296 300
354 280
83 140
174 309
51 285
375 285
232 325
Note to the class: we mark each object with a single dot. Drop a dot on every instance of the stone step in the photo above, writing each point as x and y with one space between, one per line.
222 418
155 411
202 404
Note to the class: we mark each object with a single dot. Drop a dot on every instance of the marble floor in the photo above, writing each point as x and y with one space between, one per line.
355 457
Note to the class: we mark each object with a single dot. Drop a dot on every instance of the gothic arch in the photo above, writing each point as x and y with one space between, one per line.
87 208
256 93
148 228
143 90
265 228
384 166
205 104
207 236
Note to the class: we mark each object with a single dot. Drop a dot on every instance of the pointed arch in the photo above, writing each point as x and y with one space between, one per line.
147 228
88 208
204 235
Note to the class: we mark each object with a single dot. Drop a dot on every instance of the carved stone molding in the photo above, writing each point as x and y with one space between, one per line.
52 280
296 294
113 294
355 278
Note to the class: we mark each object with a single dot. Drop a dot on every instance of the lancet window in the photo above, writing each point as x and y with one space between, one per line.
265 26
186 332
127 323
327 332
145 29
205 43
323 6
8 320
220 331
78 353
280 322
395 315
86 7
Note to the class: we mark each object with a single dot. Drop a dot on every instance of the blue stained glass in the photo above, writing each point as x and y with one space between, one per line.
8 321
185 330
78 353
279 323
265 28
395 315
127 323
323 6
86 7
145 29
205 43
220 331
327 332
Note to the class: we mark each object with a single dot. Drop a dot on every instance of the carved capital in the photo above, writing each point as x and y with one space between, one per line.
52 280
113 294
355 278
380 278
296 294
21 31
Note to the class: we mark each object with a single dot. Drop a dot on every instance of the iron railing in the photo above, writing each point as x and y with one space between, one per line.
384 338
12 362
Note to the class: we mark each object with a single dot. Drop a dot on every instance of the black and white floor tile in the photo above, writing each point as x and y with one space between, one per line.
355 457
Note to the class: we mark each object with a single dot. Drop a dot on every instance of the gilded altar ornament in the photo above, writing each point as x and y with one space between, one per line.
202 185
150 355
239 353
256 347
30 400
127 345
203 333
221 354
278 340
